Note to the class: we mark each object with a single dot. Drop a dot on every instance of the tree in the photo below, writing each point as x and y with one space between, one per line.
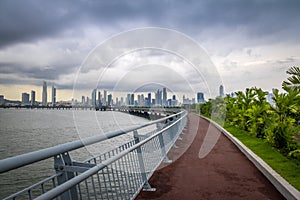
293 82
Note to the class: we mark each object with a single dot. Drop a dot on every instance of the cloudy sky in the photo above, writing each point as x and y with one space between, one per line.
251 43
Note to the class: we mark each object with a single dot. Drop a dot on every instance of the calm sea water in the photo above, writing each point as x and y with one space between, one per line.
25 130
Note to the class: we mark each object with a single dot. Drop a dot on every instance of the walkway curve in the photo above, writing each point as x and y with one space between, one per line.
225 173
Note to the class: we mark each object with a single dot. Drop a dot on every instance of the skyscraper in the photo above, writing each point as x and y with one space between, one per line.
105 97
99 99
132 100
94 96
83 100
32 97
109 103
164 98
128 99
149 100
200 97
53 96
44 95
221 89
25 99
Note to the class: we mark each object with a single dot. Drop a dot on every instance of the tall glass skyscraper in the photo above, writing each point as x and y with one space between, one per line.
53 96
221 91
32 97
164 103
44 95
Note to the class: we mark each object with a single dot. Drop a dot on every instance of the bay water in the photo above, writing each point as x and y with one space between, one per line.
27 130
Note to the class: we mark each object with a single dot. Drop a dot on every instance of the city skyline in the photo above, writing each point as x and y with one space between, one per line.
250 43
161 98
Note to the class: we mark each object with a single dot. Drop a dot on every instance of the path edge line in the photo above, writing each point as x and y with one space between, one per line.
284 187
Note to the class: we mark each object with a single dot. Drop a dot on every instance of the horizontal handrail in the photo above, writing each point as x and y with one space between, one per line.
15 162
74 181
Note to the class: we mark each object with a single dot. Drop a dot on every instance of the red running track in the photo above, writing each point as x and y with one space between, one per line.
225 173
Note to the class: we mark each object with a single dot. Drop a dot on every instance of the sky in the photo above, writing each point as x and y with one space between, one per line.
250 43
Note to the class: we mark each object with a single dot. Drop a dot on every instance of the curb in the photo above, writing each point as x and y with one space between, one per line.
285 188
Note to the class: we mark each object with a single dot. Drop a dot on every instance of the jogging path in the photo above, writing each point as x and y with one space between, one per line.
225 173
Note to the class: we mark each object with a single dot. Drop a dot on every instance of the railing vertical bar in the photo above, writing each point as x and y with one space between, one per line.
113 178
87 189
79 188
110 185
125 177
132 171
30 194
126 173
129 172
104 179
98 178
117 174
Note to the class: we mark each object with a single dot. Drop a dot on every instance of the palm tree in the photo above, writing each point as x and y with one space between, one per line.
293 82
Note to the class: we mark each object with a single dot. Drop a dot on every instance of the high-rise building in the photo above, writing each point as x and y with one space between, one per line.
99 99
87 101
142 100
94 96
109 100
132 100
164 97
221 90
53 96
44 95
200 97
149 100
32 97
128 99
25 99
2 101
83 100
158 97
105 97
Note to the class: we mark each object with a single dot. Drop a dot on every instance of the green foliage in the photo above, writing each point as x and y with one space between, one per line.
293 82
250 111
295 154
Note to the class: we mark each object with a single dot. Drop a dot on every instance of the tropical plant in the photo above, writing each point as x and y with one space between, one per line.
293 82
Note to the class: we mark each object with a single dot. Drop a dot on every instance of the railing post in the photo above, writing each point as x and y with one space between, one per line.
60 161
162 144
146 186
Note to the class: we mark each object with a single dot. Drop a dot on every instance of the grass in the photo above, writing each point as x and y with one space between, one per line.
289 169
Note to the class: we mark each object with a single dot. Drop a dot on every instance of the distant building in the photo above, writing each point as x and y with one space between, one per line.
44 95
105 97
149 100
25 99
164 97
221 91
99 99
132 100
128 99
109 100
200 97
2 101
158 97
270 99
33 98
94 97
53 96
83 100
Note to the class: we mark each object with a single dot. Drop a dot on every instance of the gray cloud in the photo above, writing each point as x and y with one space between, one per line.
30 20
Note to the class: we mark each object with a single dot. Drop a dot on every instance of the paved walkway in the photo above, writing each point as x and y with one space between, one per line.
225 173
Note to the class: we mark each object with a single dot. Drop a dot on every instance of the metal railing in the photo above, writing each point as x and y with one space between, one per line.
117 174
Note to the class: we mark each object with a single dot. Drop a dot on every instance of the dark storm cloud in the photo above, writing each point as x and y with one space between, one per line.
29 20
35 72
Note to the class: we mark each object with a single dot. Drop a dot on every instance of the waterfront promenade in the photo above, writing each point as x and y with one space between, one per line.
225 173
